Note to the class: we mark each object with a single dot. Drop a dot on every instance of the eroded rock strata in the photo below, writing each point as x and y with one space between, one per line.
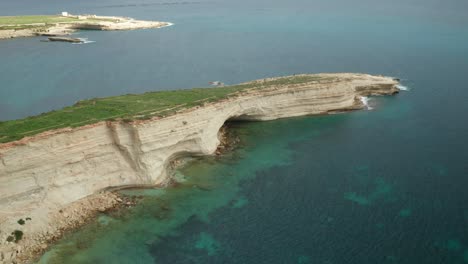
43 176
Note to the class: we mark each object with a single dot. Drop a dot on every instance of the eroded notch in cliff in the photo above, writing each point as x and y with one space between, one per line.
229 137
127 143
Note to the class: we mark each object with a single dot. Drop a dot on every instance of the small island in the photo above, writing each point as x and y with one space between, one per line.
65 24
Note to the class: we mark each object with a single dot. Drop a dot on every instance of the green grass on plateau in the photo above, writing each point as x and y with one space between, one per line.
130 107
24 22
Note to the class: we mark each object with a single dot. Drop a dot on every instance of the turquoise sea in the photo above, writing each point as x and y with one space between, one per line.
382 186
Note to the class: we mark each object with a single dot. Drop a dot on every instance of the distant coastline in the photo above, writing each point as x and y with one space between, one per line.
65 24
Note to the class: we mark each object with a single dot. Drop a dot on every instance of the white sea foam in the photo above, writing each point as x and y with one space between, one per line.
402 88
84 41
168 25
365 102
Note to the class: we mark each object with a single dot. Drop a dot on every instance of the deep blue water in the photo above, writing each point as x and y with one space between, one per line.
232 41
381 186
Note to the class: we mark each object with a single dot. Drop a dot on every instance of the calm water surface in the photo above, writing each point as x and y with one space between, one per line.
381 186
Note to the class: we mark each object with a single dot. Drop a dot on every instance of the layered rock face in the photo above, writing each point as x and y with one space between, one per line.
48 173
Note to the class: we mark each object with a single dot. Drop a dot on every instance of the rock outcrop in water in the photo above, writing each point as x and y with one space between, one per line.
64 39
50 172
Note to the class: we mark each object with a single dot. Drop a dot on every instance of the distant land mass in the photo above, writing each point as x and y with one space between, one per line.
65 24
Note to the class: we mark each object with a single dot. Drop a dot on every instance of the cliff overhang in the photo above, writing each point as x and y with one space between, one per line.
44 174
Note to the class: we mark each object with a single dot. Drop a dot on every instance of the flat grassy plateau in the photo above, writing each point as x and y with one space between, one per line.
29 22
135 107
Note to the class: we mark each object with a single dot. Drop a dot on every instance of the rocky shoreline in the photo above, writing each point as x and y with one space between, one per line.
86 22
65 220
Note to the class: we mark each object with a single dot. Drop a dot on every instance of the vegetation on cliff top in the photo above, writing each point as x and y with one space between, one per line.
131 106
25 22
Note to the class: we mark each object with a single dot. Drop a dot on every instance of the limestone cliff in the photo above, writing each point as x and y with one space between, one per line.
47 173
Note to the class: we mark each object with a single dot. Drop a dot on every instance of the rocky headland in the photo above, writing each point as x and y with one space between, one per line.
57 179
62 25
